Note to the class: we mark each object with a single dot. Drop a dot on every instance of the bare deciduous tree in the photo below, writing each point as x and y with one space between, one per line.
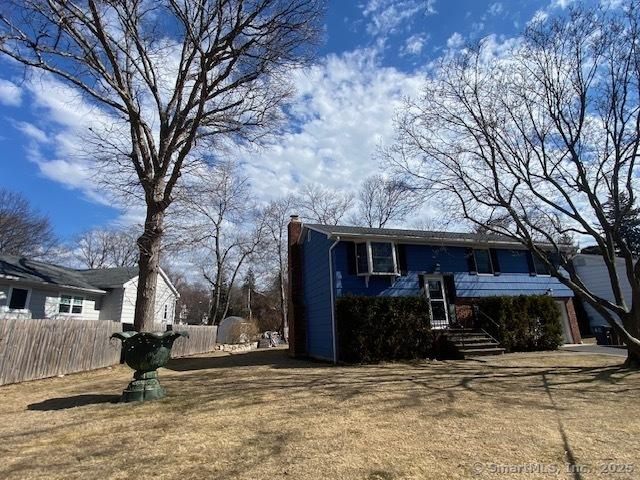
544 134
323 205
277 215
174 73
218 216
382 200
106 248
23 230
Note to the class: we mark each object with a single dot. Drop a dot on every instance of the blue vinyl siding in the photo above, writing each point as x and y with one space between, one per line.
514 278
471 286
317 297
513 261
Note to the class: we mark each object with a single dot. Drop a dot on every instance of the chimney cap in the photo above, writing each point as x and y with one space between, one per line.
295 218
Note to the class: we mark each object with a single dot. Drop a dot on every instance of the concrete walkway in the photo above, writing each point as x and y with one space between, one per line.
598 349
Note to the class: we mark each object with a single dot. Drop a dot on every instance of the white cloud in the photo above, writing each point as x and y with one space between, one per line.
495 9
455 41
538 16
345 108
386 16
561 3
10 93
31 131
414 44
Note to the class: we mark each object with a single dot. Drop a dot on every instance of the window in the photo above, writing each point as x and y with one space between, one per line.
376 258
69 304
382 258
18 300
539 266
166 311
362 261
483 261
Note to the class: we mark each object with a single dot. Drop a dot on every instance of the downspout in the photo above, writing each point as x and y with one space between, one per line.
333 308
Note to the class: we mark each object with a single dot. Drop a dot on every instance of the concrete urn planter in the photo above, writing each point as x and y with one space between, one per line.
145 352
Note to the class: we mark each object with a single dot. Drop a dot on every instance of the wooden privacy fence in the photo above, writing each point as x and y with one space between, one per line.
31 349
202 339
34 348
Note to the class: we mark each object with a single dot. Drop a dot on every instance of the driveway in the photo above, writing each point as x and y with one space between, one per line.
597 349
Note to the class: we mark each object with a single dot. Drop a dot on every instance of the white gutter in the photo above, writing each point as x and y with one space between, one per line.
434 241
333 309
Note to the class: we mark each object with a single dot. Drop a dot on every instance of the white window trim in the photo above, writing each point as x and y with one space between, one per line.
370 271
27 302
493 271
60 295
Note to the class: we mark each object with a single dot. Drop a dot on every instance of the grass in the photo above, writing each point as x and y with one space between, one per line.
262 415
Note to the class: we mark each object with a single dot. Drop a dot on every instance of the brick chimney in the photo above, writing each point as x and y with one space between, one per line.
296 318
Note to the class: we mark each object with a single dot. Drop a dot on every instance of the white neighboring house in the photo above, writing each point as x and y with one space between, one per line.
593 273
33 289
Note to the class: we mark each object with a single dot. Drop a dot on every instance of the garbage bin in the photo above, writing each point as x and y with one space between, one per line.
603 334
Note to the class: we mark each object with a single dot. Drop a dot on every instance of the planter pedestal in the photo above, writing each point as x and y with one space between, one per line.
145 352
145 386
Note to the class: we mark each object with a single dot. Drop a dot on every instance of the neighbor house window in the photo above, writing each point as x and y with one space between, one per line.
483 261
70 304
376 258
18 300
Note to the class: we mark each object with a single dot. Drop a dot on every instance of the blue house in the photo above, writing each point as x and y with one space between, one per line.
452 269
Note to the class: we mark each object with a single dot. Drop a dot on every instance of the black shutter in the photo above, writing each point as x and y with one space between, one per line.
530 263
401 251
494 261
421 282
471 261
450 288
351 258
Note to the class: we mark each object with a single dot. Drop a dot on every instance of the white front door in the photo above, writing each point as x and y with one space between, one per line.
434 290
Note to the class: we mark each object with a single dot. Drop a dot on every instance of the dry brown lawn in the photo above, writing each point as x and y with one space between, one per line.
262 415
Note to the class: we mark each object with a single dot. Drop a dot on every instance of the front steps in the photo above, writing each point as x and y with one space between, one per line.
473 343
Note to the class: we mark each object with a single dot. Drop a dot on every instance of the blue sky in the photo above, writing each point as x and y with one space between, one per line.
374 53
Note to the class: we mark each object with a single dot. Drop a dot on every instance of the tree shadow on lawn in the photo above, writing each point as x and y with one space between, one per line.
63 403
275 358
410 385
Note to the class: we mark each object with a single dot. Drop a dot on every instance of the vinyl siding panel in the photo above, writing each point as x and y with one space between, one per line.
509 284
164 296
514 277
317 295
129 302
4 295
44 302
593 272
51 301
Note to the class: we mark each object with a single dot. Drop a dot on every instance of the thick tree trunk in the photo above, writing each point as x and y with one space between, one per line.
632 326
149 244
633 357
